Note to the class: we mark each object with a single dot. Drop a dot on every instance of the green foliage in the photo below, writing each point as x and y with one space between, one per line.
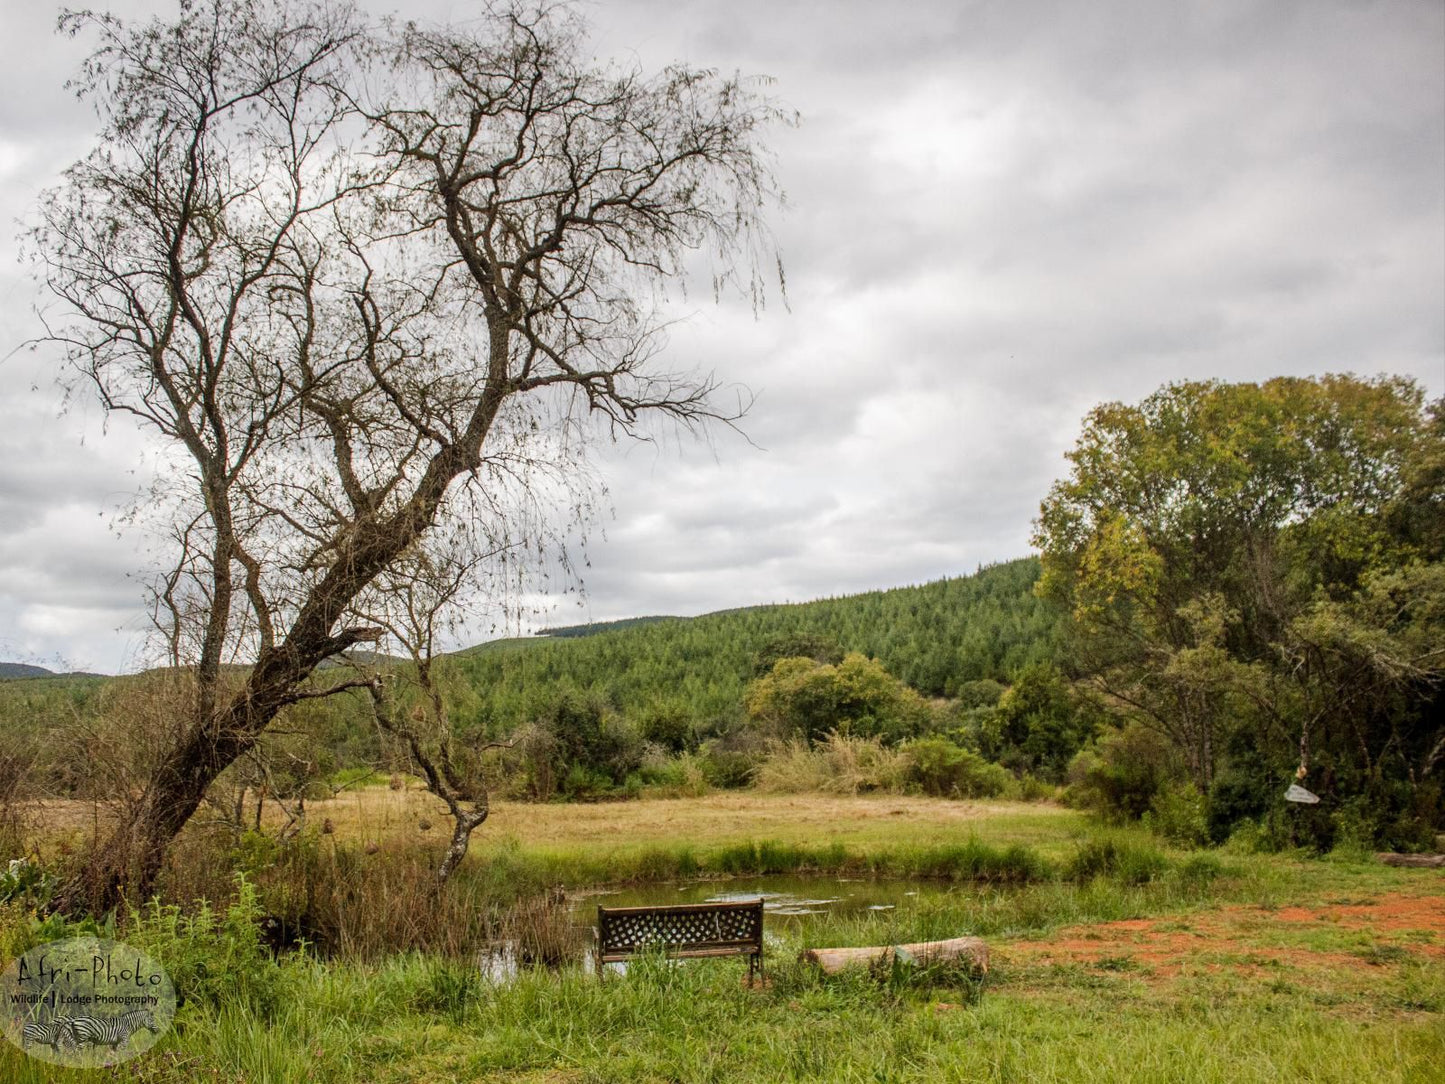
666 721
26 881
213 959
1178 813
796 645
1119 858
1121 774
801 696
939 767
934 638
1040 723
1256 571
577 747
983 693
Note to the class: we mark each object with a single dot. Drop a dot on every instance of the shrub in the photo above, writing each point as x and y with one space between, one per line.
667 723
1041 723
1178 814
1119 777
1121 859
26 881
939 767
984 693
840 764
727 768
213 958
682 776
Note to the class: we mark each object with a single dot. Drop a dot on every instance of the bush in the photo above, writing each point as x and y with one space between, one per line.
682 776
1243 792
1119 777
939 767
984 693
667 723
1178 814
840 764
727 768
1041 723
213 958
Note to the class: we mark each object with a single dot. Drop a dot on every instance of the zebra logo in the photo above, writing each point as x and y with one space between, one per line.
112 1031
85 1002
56 1034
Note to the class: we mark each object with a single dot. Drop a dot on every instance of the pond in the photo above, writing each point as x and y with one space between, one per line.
791 900
792 905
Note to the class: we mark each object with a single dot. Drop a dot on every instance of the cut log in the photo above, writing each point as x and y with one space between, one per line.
1418 861
969 949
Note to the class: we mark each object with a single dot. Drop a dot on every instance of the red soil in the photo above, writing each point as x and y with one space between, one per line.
1250 940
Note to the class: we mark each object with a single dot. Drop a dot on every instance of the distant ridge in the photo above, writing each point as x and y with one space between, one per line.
23 670
592 628
16 671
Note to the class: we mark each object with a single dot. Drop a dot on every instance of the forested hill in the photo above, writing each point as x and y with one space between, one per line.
22 670
934 637
563 632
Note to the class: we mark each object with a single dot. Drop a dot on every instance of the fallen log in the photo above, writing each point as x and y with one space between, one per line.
834 960
1417 861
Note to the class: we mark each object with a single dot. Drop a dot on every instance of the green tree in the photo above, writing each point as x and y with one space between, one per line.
857 696
1039 725
1226 552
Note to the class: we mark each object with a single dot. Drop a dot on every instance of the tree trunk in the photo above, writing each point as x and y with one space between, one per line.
463 824
1415 861
971 950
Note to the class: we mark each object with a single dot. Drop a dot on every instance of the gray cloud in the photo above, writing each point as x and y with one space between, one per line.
1001 213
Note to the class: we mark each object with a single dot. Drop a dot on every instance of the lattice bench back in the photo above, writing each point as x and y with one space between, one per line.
691 930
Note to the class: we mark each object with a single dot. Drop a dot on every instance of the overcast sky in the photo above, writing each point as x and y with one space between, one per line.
1000 214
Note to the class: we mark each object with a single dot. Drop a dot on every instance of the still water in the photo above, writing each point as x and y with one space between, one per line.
791 905
788 900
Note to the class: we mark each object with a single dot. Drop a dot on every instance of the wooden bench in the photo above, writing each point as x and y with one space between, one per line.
684 930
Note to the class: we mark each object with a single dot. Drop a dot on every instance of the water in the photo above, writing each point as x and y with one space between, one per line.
790 900
792 905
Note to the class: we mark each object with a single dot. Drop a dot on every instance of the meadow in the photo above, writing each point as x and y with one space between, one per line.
1115 958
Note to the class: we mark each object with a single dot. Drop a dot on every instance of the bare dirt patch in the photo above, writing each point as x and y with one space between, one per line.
1252 940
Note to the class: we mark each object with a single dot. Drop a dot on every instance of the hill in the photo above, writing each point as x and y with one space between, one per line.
935 636
10 670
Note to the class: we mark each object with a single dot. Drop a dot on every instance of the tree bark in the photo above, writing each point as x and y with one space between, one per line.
971 950
1414 861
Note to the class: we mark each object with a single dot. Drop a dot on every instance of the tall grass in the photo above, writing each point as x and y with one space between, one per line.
839 764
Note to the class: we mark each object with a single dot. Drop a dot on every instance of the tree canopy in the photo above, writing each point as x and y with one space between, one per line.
1254 570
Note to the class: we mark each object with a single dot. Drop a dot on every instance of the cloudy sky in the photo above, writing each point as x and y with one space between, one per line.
1000 214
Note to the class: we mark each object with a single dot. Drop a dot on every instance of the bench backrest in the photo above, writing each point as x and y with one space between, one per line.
681 930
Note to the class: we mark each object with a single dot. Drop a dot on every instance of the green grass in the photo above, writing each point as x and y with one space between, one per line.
1269 999
401 1022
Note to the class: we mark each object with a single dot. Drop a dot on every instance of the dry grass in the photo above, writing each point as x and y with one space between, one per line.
394 818
376 813
839 764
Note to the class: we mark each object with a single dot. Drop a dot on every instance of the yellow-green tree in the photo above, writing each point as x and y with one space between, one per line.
857 696
1223 550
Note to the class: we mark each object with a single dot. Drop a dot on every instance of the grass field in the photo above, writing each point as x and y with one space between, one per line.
1118 960
724 817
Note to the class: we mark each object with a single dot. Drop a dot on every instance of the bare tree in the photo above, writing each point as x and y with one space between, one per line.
414 601
355 278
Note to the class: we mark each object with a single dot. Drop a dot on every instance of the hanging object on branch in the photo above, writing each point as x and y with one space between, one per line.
1297 793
